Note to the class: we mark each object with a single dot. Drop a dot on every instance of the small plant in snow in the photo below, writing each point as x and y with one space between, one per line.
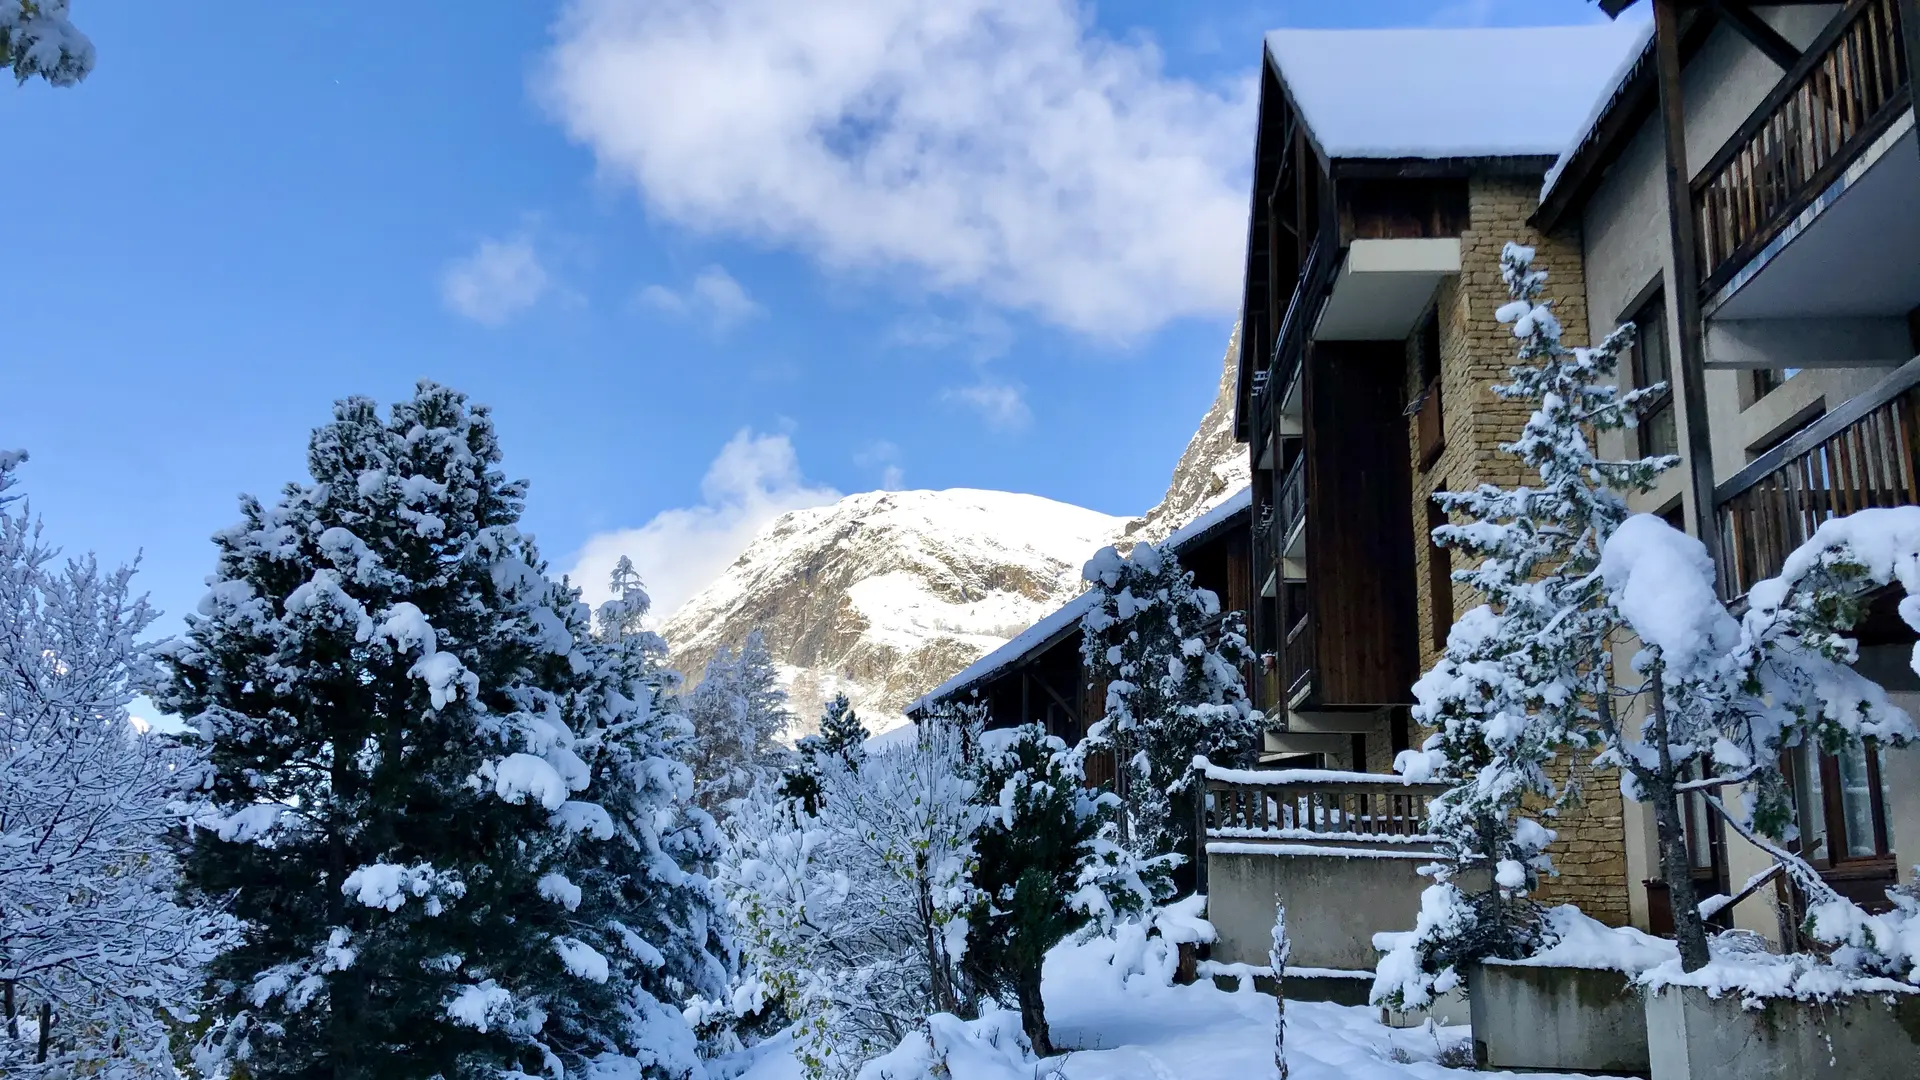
1174 667
1277 957
1525 673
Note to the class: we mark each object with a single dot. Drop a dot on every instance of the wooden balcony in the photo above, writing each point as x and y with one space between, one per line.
1849 85
1297 659
1291 501
1859 456
1317 807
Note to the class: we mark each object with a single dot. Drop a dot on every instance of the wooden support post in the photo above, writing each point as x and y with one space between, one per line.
1748 24
1683 238
1910 38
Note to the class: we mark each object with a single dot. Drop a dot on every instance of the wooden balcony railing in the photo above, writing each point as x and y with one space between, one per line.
1297 657
1317 807
1291 501
1864 454
1848 86
1289 345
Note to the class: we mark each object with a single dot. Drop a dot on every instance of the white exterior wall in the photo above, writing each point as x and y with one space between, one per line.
1625 235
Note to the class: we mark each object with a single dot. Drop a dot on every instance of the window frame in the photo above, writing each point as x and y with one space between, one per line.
1659 412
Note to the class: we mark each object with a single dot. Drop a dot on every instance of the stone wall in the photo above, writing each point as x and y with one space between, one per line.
1475 353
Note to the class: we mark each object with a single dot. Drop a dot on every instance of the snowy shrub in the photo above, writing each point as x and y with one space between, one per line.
1050 864
1174 666
452 817
1525 674
857 917
98 959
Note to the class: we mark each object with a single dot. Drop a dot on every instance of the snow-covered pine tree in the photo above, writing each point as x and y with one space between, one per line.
842 734
1174 664
856 918
1049 864
37 37
97 956
408 725
1526 673
738 712
1726 699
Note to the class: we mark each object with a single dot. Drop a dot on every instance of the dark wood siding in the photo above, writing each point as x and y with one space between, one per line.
1360 551
1374 209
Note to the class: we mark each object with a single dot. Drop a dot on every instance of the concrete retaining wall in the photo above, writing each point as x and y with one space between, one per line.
1335 903
1558 1019
1695 1037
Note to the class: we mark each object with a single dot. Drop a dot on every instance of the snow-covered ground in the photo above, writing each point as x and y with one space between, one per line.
1146 1030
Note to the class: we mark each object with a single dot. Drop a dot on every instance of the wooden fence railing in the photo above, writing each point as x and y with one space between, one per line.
1843 93
1316 806
1864 454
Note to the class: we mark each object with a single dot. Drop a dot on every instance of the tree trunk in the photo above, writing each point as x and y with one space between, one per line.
13 1024
1689 931
46 1032
1033 1013
1280 1026
944 997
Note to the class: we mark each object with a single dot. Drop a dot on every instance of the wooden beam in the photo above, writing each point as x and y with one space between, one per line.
1910 35
1683 240
1755 29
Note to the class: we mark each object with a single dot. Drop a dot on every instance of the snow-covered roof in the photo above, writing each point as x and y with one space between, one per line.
1237 503
1064 620
1451 93
1603 103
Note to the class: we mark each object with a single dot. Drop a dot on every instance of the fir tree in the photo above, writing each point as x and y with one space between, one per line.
1050 864
1174 665
841 734
738 712
445 810
38 38
1526 673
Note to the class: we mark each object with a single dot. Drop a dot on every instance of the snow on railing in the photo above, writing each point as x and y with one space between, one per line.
1320 805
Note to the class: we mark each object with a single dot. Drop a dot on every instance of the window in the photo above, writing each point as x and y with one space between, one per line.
1439 577
1650 364
1843 807
1767 380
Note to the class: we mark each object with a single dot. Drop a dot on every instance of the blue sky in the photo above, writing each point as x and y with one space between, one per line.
1009 261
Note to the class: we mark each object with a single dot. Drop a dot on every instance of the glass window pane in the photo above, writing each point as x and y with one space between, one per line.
1856 802
1659 430
1813 808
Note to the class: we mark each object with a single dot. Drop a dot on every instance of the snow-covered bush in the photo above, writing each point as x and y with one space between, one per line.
450 815
1525 673
37 37
1050 864
1174 666
98 959
857 917
738 712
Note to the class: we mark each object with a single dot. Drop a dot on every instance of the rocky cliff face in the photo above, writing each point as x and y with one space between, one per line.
885 594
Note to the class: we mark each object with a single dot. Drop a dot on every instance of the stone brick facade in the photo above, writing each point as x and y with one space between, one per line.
1475 351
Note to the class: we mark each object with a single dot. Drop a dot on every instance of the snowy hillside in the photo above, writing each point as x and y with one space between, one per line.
886 594
883 594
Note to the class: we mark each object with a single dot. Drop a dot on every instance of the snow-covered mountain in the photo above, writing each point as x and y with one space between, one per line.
885 594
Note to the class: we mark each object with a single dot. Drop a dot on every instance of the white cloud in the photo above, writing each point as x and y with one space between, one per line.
885 456
994 148
714 295
1002 405
498 280
755 479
